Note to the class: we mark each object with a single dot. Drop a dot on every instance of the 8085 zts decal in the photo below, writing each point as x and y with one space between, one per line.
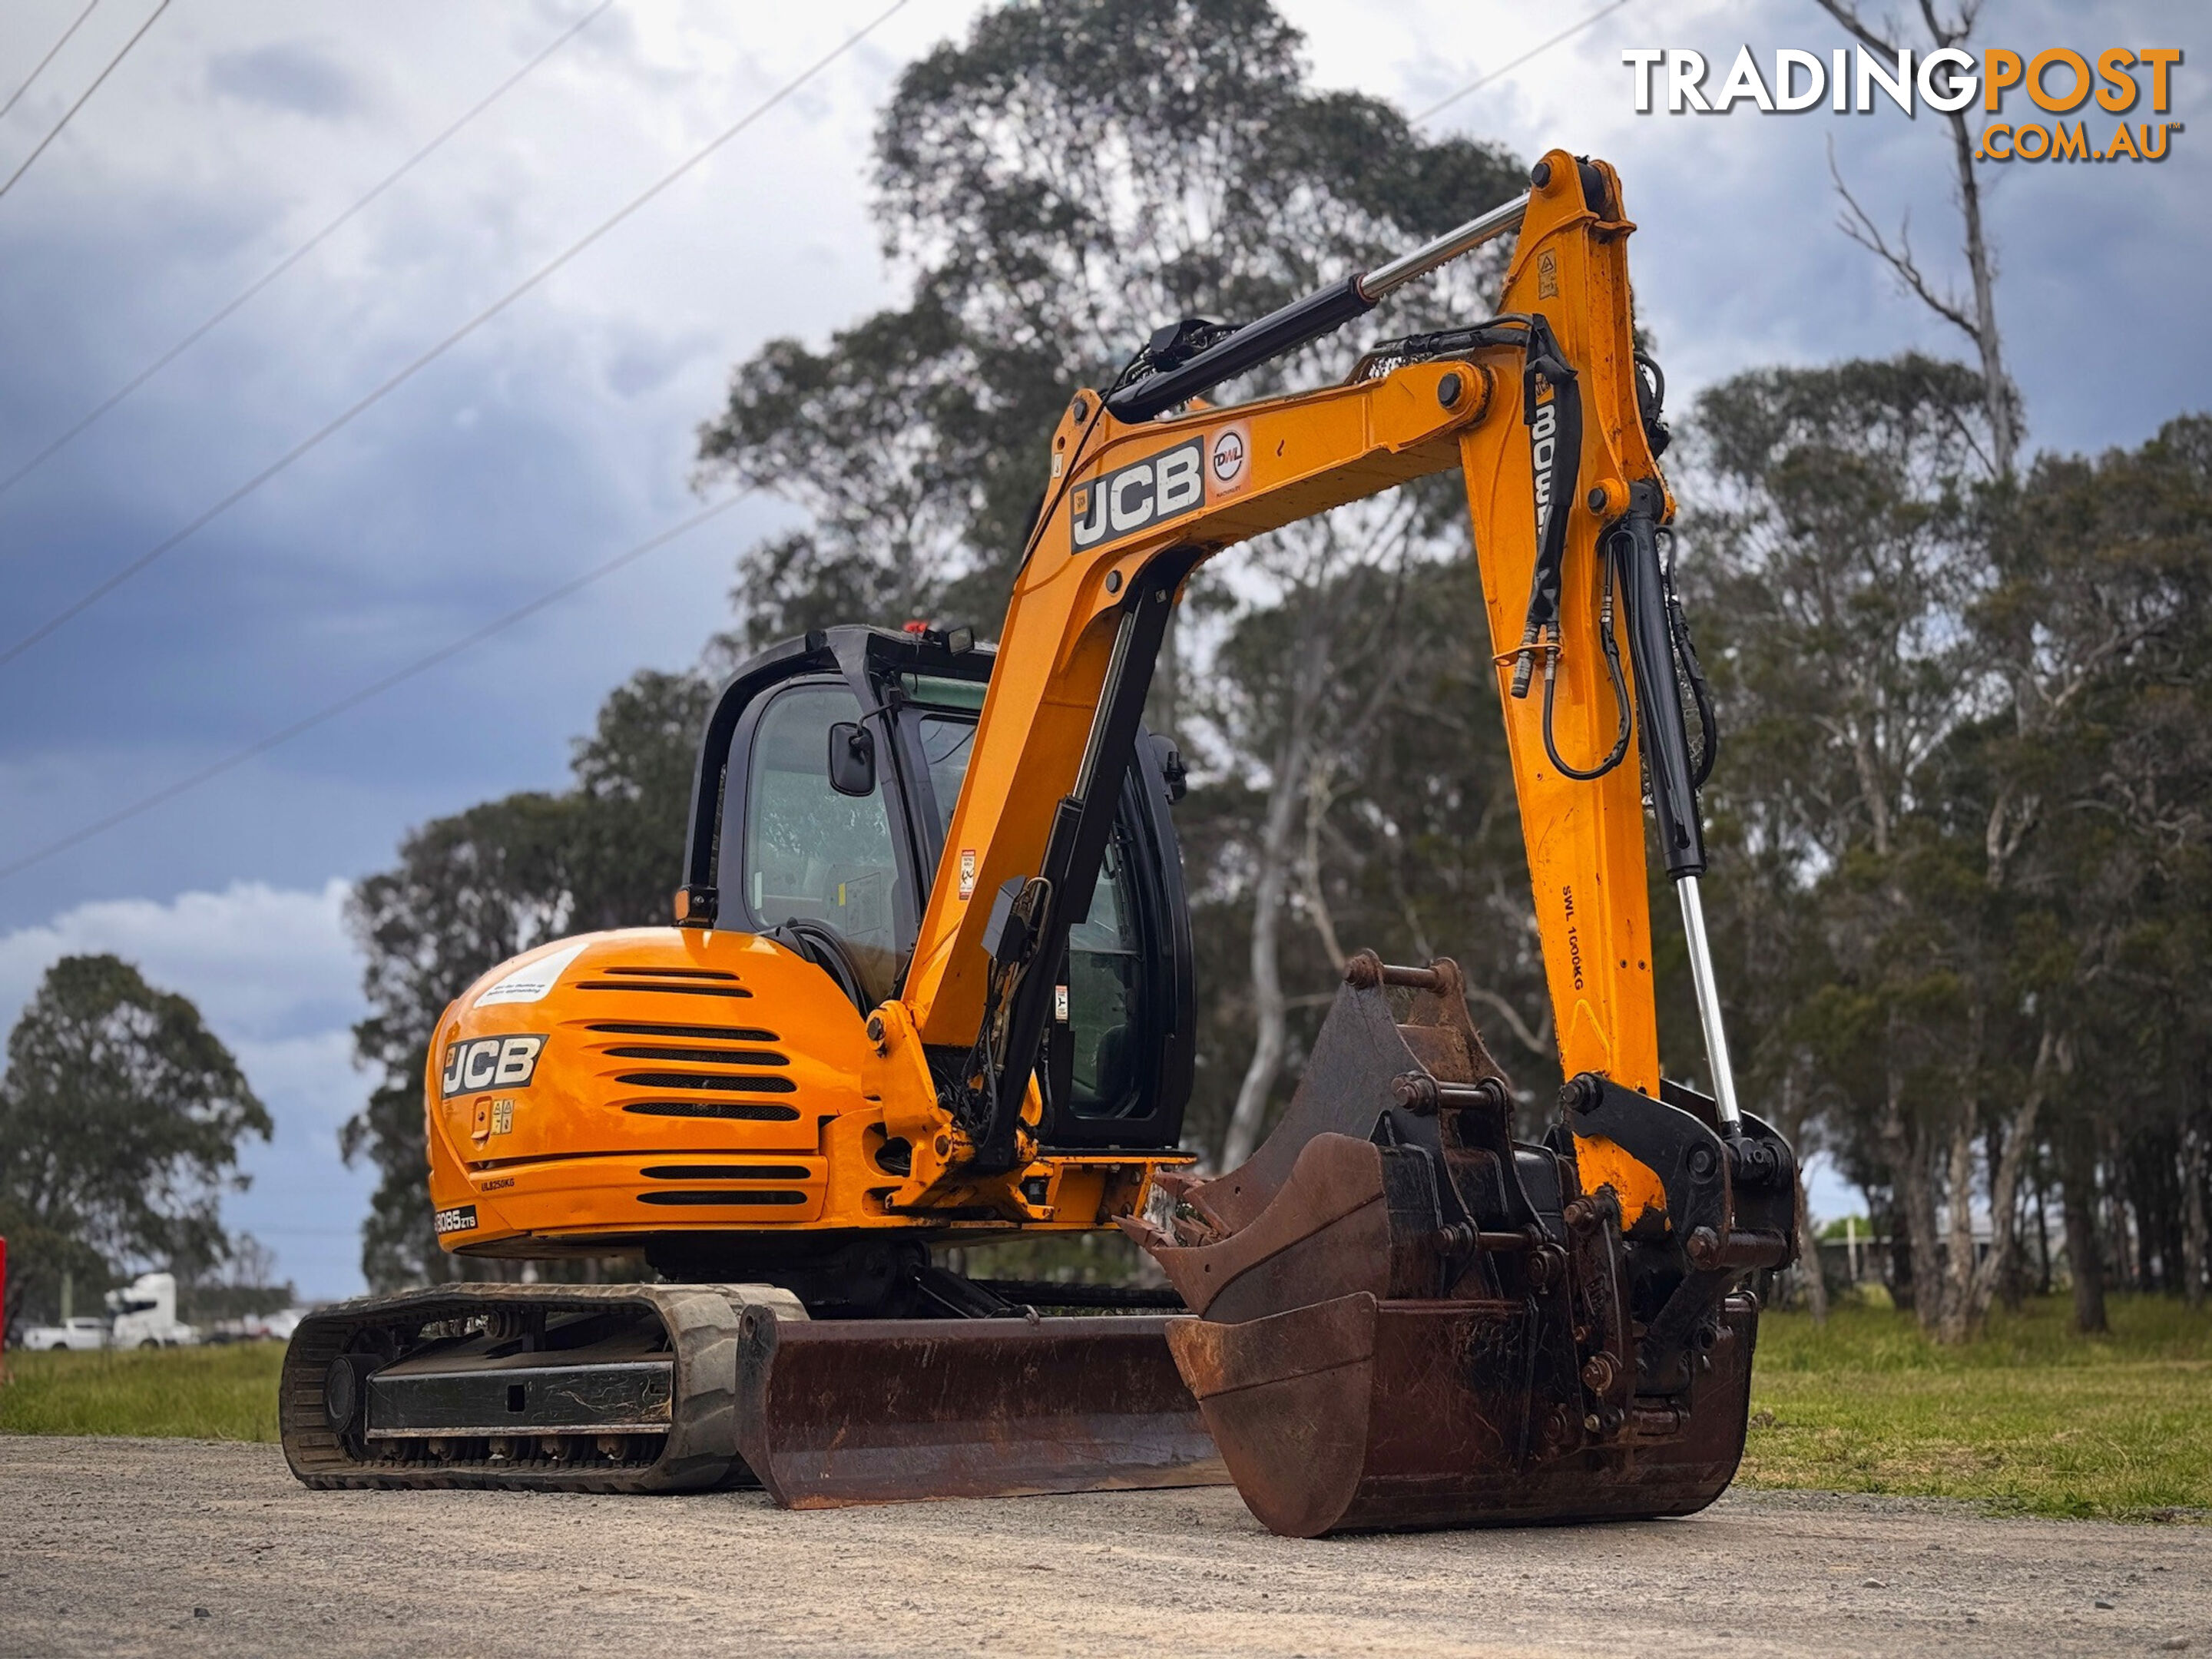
492 1062
461 1219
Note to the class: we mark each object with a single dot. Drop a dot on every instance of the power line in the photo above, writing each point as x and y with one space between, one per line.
48 58
299 253
103 588
375 688
81 96
1568 32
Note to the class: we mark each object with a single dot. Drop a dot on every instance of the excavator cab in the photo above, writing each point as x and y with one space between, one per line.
827 778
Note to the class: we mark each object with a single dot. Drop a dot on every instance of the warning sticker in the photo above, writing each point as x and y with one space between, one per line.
533 981
967 872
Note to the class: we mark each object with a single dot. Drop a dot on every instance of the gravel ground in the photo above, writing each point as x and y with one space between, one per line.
177 1546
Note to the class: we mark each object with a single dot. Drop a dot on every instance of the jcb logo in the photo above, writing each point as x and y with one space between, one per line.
492 1062
1130 498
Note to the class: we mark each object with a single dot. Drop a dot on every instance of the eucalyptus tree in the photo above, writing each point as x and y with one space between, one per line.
121 1118
474 888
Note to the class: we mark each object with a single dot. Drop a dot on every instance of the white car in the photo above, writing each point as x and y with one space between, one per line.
275 1328
71 1334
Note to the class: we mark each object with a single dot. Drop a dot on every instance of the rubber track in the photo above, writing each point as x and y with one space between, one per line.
701 1450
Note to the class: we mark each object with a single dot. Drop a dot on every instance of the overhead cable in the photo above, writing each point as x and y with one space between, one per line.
81 97
1569 32
108 585
40 67
375 688
299 253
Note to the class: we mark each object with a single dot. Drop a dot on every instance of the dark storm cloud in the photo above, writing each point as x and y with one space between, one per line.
288 75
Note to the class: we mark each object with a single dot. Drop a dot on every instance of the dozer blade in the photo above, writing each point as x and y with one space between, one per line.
1404 1318
1359 1415
888 1411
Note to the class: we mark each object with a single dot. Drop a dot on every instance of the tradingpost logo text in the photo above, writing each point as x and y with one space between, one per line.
2091 87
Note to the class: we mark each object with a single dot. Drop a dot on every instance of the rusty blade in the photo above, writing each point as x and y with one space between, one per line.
1360 1415
833 1413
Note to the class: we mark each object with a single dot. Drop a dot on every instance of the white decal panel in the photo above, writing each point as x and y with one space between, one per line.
532 982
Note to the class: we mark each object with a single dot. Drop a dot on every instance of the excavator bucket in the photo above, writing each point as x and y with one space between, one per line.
1404 1318
677 1388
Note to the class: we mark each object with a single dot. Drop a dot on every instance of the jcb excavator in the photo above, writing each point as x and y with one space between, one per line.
929 983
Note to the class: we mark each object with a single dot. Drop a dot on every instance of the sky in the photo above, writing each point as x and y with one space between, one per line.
561 432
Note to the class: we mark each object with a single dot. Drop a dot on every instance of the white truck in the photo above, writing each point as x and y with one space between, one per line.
145 1315
79 1332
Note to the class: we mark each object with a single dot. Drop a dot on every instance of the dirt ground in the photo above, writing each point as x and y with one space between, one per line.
124 1547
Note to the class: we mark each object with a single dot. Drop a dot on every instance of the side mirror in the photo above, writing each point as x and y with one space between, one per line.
851 758
1173 773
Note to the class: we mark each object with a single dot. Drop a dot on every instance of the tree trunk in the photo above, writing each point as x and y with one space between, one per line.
2192 1213
1981 324
1954 1319
2042 1238
1996 385
1909 1158
2054 1057
1286 797
1808 1261
1270 1028
1789 1116
2084 1262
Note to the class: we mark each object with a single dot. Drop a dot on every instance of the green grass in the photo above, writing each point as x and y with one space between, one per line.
2028 1418
226 1393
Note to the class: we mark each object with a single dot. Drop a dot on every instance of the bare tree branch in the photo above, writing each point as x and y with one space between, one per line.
1848 15
1859 225
1978 323
1538 1041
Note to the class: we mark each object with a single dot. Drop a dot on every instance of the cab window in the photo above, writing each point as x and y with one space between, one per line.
1105 994
809 851
1104 980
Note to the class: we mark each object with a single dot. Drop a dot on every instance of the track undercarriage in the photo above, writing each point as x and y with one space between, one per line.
687 1388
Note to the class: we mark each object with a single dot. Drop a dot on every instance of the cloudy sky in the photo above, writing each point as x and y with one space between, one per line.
560 433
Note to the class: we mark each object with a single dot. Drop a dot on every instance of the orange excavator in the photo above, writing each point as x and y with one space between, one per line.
929 984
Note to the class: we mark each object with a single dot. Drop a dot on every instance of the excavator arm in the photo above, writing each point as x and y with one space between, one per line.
1545 412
